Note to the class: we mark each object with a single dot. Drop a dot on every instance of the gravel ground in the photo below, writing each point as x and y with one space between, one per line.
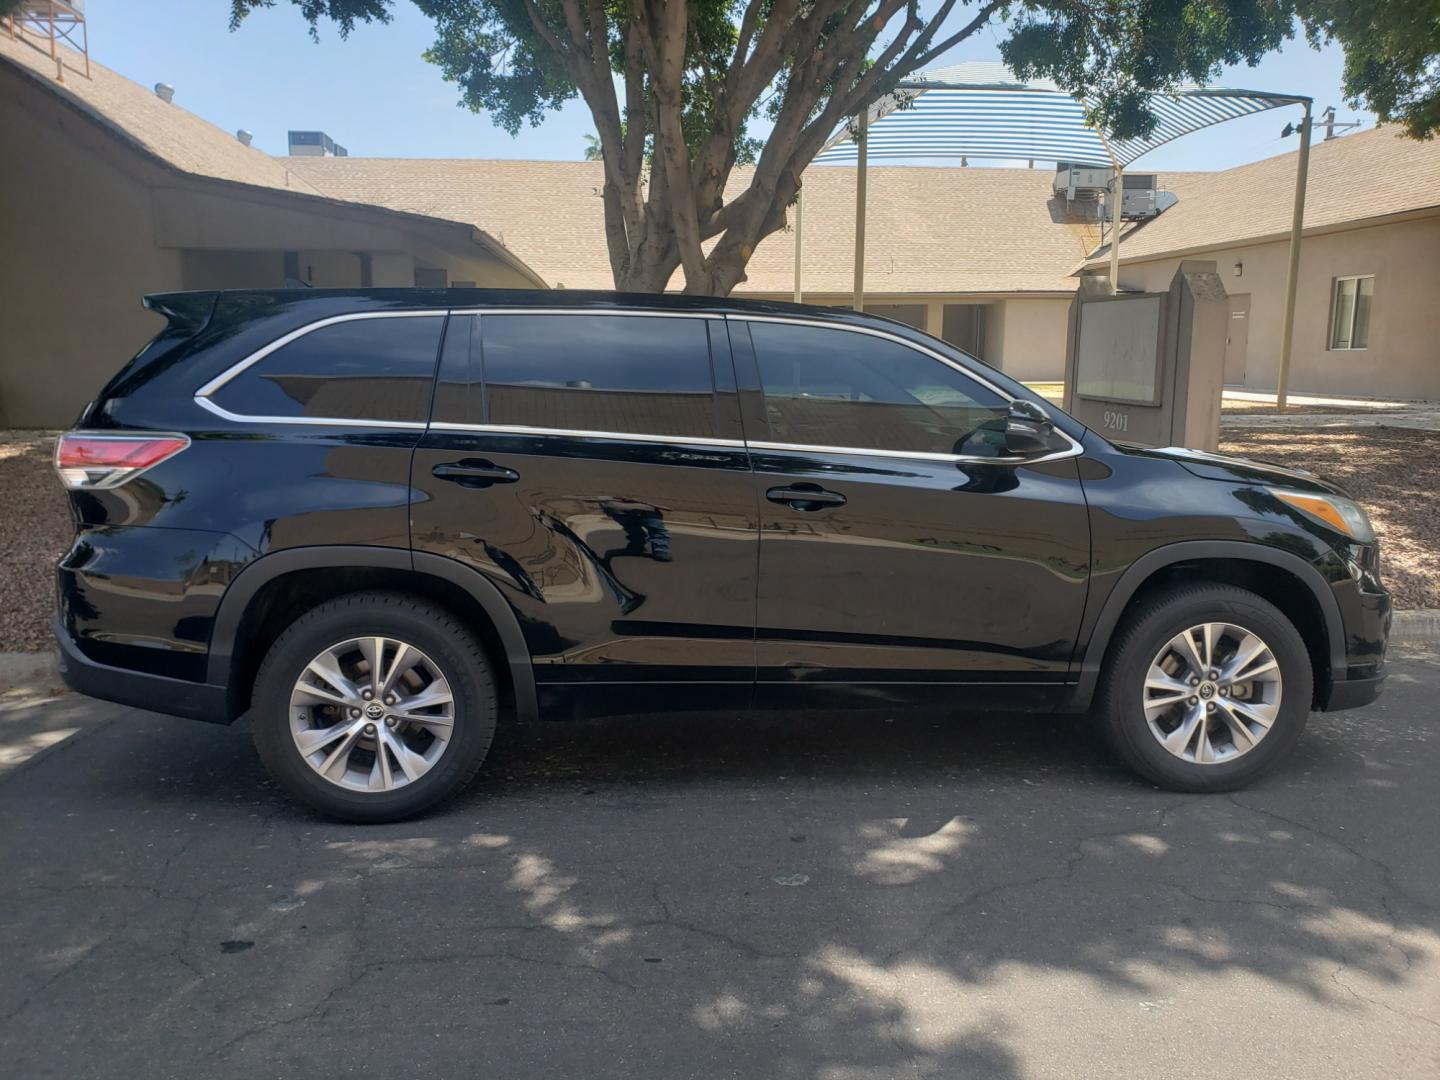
1393 472
34 530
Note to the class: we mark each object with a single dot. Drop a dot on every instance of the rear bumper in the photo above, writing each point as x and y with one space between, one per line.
157 693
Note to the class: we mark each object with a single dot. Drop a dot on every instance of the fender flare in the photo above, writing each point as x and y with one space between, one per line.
256 575
1138 572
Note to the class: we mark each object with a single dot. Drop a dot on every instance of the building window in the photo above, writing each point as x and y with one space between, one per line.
1350 312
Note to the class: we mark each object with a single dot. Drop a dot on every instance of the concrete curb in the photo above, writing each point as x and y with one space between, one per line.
27 669
1414 626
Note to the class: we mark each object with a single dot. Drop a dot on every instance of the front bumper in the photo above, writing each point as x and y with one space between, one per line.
1353 693
157 693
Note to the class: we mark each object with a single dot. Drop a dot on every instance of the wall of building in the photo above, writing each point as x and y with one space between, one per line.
1401 359
1029 338
202 269
88 226
77 251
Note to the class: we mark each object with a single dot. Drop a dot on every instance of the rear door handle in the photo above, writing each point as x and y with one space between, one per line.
475 473
805 497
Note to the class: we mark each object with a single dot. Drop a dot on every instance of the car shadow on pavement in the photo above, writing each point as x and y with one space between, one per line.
842 896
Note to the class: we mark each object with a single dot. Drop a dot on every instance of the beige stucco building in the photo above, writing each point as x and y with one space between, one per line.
986 259
973 255
108 192
1366 321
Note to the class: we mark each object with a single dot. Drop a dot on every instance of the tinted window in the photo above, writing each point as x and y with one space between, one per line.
835 388
363 369
630 374
457 386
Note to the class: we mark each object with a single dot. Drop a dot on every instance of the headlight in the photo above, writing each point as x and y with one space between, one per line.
1335 511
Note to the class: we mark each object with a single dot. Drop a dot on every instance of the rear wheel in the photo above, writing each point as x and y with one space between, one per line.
1206 688
374 706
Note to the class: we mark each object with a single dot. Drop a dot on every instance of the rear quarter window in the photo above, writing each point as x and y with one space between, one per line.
361 369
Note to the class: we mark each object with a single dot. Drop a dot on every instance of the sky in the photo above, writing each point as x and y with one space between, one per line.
375 94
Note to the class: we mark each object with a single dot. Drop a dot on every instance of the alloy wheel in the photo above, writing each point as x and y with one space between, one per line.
372 714
1212 693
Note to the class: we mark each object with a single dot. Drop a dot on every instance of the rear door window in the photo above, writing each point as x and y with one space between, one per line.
377 369
625 374
849 390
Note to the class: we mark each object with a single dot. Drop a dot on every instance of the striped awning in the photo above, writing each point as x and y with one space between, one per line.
981 110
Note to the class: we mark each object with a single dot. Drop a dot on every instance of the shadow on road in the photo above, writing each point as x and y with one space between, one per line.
836 896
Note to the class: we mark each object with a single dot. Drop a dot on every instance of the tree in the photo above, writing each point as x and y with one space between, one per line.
674 88
1392 56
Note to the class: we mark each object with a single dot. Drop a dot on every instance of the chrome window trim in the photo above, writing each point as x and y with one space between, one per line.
577 433
1074 449
884 334
202 395
638 313
307 421
294 335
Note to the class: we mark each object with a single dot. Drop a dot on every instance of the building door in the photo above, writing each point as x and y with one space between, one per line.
965 328
1237 340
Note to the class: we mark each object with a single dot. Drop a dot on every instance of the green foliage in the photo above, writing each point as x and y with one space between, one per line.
344 13
1114 53
1392 55
674 86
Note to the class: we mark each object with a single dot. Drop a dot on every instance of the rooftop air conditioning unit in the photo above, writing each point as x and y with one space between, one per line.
1139 199
1080 181
315 144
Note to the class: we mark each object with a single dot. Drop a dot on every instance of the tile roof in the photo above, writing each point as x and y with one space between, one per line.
177 137
1356 177
929 230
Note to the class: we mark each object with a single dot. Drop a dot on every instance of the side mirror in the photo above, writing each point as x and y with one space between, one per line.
1028 430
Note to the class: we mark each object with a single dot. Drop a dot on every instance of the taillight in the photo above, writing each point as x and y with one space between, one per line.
86 459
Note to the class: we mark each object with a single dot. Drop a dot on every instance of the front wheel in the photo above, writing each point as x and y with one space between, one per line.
374 706
1206 688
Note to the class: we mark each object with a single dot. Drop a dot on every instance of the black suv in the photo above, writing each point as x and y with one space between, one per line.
378 521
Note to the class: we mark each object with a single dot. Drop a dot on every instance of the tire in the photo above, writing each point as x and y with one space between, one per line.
1135 714
451 667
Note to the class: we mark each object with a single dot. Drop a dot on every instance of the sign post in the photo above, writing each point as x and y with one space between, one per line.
1148 368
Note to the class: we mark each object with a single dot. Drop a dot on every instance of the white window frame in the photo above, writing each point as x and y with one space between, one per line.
1335 284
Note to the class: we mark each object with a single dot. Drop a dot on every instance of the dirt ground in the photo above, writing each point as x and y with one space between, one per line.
34 530
1393 472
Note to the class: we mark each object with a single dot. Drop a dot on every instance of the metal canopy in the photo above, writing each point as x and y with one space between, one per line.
981 110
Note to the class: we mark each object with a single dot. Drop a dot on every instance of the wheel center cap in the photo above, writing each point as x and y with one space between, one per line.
374 711
1207 690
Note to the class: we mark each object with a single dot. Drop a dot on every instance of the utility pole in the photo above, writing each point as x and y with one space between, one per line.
858 300
1292 275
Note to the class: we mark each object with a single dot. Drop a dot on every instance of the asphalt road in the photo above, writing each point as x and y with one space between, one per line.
848 898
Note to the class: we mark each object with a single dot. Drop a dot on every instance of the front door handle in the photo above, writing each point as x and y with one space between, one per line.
475 472
808 497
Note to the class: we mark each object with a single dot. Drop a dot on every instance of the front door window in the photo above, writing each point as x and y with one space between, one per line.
840 389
